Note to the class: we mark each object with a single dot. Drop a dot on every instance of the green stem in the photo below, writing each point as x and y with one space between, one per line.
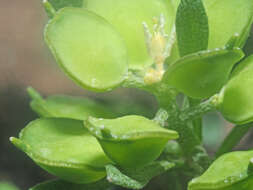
233 139
197 123
199 110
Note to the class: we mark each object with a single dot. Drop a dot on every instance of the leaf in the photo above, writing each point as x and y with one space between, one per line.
227 17
191 27
202 74
229 172
88 49
128 17
125 140
138 178
237 104
64 148
59 4
61 106
63 185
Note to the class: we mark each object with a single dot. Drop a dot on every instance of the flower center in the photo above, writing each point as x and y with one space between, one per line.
159 46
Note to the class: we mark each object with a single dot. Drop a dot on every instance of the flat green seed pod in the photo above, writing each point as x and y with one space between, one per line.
228 172
73 107
64 148
237 104
125 140
202 74
128 17
87 48
225 18
61 106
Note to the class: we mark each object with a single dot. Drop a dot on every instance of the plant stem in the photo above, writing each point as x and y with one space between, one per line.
233 139
197 123
199 110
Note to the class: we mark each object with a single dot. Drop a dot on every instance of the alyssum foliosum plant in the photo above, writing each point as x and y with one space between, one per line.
164 47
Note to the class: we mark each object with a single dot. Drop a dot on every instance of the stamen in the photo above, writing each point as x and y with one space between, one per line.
159 48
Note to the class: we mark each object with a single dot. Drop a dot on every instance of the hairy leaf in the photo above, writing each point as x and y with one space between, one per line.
191 27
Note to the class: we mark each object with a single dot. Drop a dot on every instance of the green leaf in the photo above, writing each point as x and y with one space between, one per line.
128 17
136 178
58 4
7 186
229 172
125 140
191 27
227 17
87 48
237 104
61 106
64 148
63 185
202 74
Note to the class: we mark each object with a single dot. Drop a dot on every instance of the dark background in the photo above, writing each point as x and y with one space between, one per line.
25 61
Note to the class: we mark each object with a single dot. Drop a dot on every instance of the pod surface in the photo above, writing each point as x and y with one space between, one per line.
128 16
126 140
228 172
202 74
64 148
237 104
87 48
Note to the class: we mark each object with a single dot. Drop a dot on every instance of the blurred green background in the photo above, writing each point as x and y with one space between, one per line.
25 61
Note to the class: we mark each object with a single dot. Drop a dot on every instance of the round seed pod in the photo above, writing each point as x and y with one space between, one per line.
237 105
64 148
130 141
88 49
228 172
128 17
200 75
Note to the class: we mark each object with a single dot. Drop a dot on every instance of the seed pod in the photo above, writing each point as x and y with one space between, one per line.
130 141
237 102
87 48
227 17
229 172
64 148
61 106
202 74
128 17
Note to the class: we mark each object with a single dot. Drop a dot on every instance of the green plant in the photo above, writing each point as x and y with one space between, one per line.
194 49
